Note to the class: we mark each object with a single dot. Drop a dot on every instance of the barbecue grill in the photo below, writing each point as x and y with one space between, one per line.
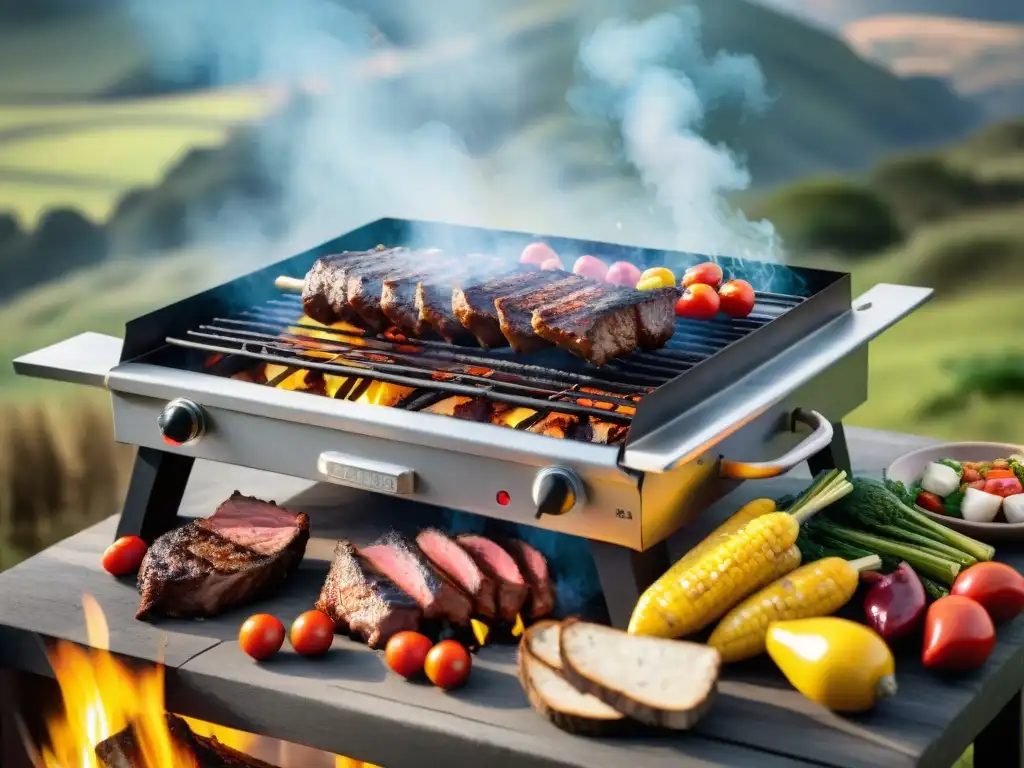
725 401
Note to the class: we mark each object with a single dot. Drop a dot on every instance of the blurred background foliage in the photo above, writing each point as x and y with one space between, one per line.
862 162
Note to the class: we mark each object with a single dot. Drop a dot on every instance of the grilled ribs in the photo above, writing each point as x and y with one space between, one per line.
474 305
324 294
515 312
210 565
362 601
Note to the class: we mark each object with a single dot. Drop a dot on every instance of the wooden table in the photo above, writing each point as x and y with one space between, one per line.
348 703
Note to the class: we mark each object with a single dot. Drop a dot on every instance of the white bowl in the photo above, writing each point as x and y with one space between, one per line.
909 467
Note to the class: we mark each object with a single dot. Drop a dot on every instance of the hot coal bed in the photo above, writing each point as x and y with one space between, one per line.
602 464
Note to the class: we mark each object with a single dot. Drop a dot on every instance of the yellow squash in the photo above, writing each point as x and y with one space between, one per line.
686 600
816 589
734 524
842 665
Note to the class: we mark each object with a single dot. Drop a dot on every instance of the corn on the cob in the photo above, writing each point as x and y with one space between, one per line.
686 601
734 524
816 589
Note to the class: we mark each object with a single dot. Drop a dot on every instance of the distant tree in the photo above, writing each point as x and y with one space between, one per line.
65 239
830 215
10 228
992 378
925 189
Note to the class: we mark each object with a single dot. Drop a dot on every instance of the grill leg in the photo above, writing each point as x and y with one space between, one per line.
625 574
1000 742
835 456
154 493
23 702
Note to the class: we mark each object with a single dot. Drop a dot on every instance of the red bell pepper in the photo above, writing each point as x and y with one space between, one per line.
895 602
996 586
958 635
995 474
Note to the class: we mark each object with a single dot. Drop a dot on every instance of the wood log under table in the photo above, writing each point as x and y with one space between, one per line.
347 703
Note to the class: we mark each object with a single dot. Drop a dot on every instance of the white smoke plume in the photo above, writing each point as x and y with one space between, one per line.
364 149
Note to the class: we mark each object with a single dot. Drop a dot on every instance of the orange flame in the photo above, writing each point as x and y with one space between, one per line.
102 696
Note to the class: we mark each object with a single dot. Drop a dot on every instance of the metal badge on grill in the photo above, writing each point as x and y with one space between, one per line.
363 473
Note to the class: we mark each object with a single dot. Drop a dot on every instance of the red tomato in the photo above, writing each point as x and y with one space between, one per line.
261 636
448 664
703 274
971 475
1003 486
737 298
623 273
979 484
997 587
537 253
124 556
958 634
931 502
698 302
590 266
312 633
406 653
995 474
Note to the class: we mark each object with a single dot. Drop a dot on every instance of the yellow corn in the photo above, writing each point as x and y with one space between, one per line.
734 524
686 601
816 589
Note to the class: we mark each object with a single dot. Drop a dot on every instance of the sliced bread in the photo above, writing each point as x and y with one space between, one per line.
563 705
664 683
541 642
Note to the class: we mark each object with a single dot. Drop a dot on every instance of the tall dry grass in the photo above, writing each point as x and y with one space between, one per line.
60 471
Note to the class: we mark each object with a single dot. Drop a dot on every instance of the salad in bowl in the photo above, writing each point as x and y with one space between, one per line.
975 491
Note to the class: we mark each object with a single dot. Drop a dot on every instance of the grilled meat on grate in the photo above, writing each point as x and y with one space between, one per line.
474 305
515 312
366 283
209 565
362 601
324 294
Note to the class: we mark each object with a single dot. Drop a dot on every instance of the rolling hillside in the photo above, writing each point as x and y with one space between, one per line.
838 13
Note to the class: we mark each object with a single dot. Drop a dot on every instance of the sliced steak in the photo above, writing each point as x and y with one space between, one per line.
597 323
401 561
535 568
502 568
324 298
474 305
445 553
366 282
515 313
364 602
210 565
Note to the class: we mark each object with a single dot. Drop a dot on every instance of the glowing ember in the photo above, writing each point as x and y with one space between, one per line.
103 696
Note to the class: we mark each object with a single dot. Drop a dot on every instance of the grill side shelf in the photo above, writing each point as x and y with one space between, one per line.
83 359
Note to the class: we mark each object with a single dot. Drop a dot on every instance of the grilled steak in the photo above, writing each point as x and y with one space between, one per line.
210 565
515 313
597 323
366 283
535 568
401 561
362 601
498 565
323 295
460 567
474 305
656 316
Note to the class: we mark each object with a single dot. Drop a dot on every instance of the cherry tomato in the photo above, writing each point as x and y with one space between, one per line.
997 587
704 274
656 277
931 502
555 263
958 634
996 474
124 556
312 633
623 273
698 302
406 653
971 475
590 266
261 636
737 298
537 254
979 484
1002 486
448 664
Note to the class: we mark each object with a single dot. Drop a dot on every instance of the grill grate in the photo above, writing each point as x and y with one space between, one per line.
548 381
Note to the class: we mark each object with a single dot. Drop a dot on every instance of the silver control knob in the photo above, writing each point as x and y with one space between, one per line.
557 491
181 422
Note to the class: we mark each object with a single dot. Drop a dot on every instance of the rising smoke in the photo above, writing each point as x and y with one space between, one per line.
369 145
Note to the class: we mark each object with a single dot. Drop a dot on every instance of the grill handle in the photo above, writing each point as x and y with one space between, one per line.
815 442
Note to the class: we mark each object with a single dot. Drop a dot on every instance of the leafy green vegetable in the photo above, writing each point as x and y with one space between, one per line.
924 542
1018 469
933 589
951 504
956 466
